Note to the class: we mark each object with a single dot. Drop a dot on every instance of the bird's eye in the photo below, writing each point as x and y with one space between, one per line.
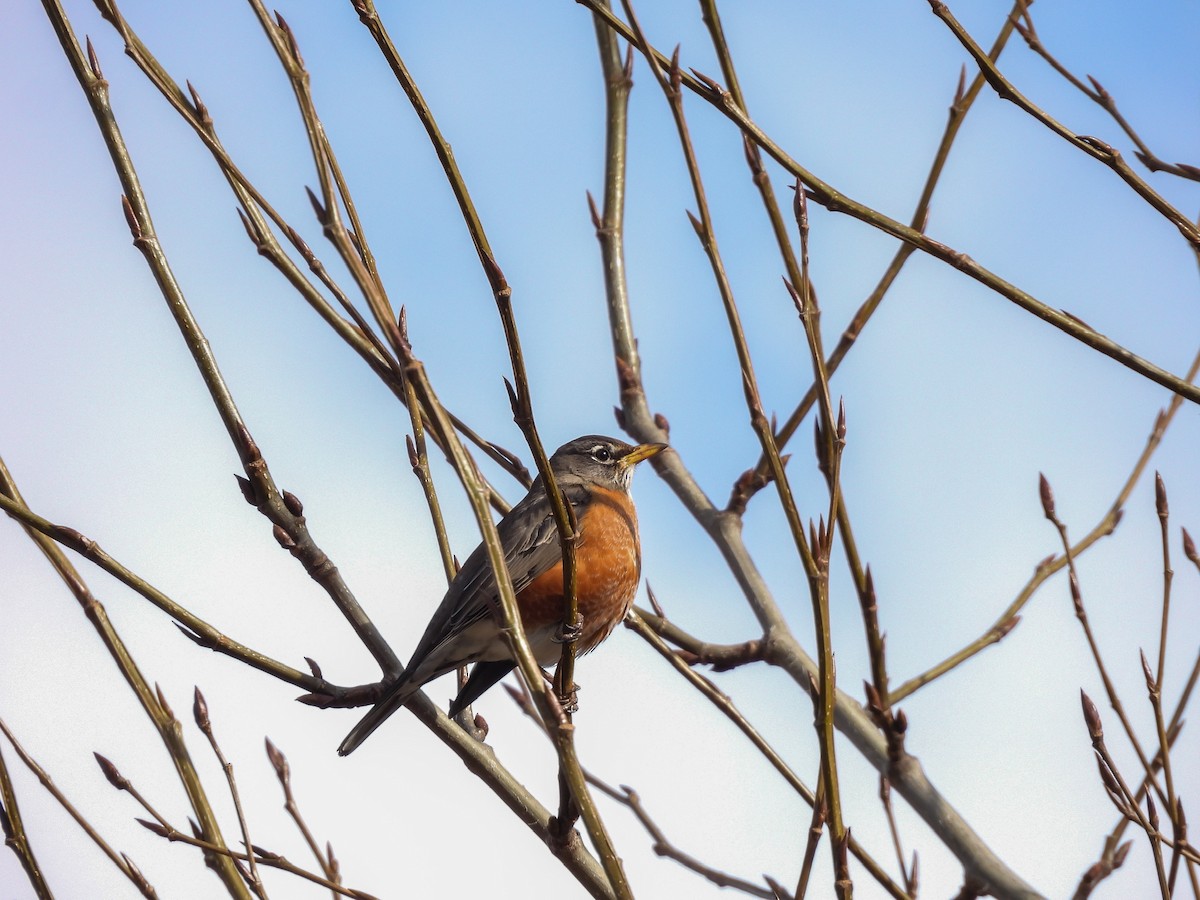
602 454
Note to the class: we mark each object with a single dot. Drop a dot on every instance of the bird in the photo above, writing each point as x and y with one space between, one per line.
594 473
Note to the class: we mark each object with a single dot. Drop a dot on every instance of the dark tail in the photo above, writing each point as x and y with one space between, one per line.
483 676
376 717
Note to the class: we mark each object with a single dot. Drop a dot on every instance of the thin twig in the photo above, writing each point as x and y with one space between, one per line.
834 200
262 857
1093 147
150 698
283 772
121 861
814 558
636 621
194 627
1114 699
1119 791
16 837
255 210
964 99
204 723
627 797
514 631
664 847
780 646
1097 94
1010 617
523 415
289 524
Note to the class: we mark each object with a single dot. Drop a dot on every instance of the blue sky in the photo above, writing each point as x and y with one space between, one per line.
955 398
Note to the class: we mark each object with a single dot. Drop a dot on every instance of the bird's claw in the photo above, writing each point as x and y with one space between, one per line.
570 702
569 632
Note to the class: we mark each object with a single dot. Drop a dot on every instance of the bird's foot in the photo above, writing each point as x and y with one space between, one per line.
569 632
570 701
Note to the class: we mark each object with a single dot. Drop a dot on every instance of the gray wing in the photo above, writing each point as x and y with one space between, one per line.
529 536
530 539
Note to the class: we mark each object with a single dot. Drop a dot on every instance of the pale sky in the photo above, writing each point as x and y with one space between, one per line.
955 398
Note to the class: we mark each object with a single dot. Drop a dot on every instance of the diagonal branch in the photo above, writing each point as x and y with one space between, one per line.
834 200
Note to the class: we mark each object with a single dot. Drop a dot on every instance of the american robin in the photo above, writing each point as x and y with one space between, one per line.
595 473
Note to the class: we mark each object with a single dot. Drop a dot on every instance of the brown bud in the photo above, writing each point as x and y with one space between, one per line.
514 401
278 762
873 701
251 231
312 664
201 110
1047 495
135 228
115 778
1110 782
663 425
293 47
1151 681
1091 716
900 722
841 846
153 826
1189 547
709 83
93 60
265 854
597 222
200 713
1008 625
318 207
674 74
1100 91
1160 496
138 878
494 274
162 701
303 249
654 604
284 539
627 378
293 504
335 866
248 491
1122 852
1152 810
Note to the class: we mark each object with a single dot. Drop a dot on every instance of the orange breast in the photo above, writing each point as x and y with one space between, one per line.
608 566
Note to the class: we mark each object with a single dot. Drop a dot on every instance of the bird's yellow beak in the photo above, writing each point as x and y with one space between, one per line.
641 452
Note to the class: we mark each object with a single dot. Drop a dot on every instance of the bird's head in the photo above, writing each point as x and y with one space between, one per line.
600 460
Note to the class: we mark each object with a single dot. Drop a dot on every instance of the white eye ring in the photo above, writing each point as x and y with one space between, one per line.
600 453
